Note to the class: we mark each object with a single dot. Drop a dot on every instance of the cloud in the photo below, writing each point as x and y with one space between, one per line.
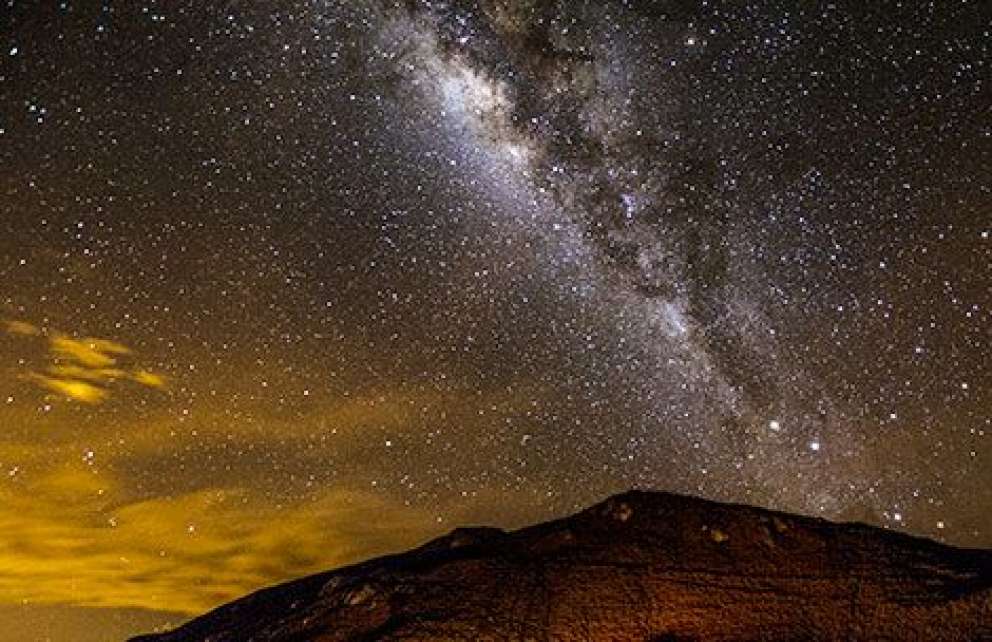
91 353
181 513
87 374
83 369
21 328
68 538
150 379
75 389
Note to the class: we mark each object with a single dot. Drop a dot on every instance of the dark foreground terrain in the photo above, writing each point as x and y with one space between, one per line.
639 566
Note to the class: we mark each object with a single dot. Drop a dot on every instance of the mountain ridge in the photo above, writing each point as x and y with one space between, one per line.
641 565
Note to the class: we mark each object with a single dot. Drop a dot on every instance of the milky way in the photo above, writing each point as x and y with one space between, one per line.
597 108
286 285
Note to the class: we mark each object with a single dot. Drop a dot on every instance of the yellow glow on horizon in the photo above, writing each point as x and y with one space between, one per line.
151 508
73 538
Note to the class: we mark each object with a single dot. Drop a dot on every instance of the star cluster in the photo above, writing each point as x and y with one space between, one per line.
338 276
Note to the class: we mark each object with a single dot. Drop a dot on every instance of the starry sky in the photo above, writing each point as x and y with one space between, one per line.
285 285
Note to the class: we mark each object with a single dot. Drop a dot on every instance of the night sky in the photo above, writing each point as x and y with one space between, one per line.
285 285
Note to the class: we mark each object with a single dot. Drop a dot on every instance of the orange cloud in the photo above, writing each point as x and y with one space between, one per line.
79 529
150 379
83 369
70 539
87 374
91 353
83 391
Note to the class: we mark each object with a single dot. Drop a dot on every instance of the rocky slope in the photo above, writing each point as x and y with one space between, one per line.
639 566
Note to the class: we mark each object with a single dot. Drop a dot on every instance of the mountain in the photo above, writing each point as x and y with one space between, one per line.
640 566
